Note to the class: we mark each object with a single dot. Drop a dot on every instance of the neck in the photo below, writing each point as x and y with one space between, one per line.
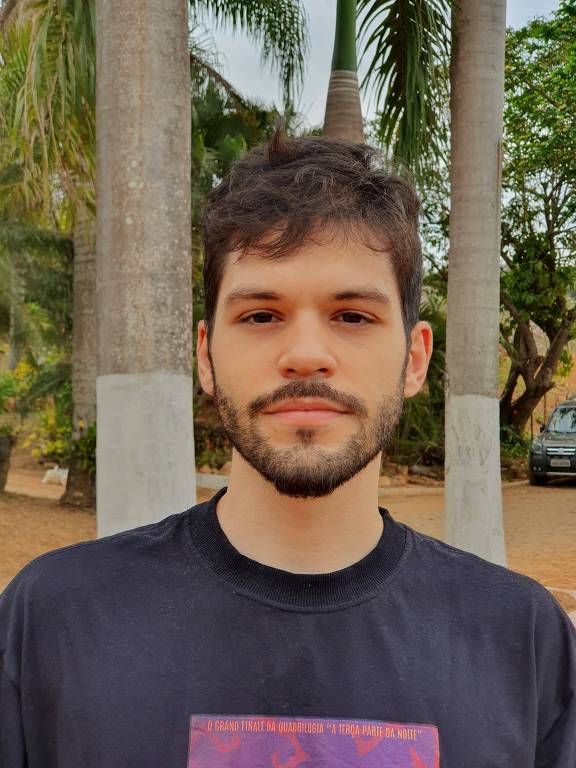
301 535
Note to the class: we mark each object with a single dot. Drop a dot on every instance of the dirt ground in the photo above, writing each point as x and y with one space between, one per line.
540 525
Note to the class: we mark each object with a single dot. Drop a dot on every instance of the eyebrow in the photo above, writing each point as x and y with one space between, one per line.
361 293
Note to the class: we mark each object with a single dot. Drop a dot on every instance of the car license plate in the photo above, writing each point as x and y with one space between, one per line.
559 462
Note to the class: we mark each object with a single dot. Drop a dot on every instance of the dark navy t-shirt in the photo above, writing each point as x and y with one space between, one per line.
163 647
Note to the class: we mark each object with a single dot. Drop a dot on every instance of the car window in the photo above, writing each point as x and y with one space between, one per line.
563 420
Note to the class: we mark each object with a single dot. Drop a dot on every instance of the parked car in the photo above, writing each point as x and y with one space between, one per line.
553 452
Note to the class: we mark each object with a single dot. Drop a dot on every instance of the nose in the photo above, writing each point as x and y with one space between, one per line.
306 351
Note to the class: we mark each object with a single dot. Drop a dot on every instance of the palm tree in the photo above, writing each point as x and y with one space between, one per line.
407 43
473 490
343 117
145 448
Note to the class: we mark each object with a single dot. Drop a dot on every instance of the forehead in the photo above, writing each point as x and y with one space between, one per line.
329 264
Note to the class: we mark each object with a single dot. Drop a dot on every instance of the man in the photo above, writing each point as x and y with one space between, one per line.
290 621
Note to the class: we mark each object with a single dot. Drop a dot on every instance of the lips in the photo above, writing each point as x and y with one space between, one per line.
288 406
305 412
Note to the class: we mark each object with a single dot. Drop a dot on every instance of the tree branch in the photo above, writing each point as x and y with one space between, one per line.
552 358
508 346
213 74
523 326
507 260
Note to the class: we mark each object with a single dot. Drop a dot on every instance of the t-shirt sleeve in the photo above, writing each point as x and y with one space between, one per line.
12 743
555 652
12 750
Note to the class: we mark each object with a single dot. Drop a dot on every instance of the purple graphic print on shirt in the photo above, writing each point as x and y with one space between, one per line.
305 742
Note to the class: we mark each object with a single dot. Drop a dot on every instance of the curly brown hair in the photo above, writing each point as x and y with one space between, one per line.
279 195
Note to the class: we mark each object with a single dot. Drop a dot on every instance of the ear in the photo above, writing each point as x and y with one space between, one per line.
203 360
419 355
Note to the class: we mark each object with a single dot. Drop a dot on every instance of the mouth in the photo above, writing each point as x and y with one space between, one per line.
305 417
305 412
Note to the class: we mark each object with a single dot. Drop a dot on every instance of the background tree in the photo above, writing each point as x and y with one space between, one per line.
539 217
145 448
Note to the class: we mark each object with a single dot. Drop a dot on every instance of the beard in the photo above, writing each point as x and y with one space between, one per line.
306 469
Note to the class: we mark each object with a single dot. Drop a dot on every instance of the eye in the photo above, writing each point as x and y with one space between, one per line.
258 318
354 318
266 318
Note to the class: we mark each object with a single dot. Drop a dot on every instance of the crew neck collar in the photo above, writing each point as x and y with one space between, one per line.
296 590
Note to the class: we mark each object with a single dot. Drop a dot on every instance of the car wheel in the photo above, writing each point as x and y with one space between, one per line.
537 479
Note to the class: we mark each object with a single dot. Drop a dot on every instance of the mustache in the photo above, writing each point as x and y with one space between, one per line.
296 389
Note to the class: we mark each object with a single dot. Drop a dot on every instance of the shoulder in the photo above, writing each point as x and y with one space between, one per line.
471 584
79 566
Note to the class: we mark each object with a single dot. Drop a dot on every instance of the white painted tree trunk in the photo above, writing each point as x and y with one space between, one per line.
145 447
473 486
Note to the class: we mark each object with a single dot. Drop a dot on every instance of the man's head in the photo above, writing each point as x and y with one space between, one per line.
312 284
281 195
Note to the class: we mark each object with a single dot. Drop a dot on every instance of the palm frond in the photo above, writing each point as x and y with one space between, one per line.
47 95
198 64
18 237
407 43
36 284
278 26
6 11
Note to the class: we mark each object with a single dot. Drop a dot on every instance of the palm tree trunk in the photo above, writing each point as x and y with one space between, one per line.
473 487
80 486
145 447
343 119
15 330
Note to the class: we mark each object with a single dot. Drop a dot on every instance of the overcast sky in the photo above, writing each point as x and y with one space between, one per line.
240 61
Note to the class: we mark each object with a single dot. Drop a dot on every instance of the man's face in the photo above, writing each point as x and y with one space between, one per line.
308 362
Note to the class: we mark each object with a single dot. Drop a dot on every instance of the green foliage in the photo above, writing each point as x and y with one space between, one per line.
420 437
410 45
44 388
36 267
55 433
8 390
539 212
513 445
565 365
541 96
539 179
222 130
211 445
6 430
279 28
85 447
15 388
47 91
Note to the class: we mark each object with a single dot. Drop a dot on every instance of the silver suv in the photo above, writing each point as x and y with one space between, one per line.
553 452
